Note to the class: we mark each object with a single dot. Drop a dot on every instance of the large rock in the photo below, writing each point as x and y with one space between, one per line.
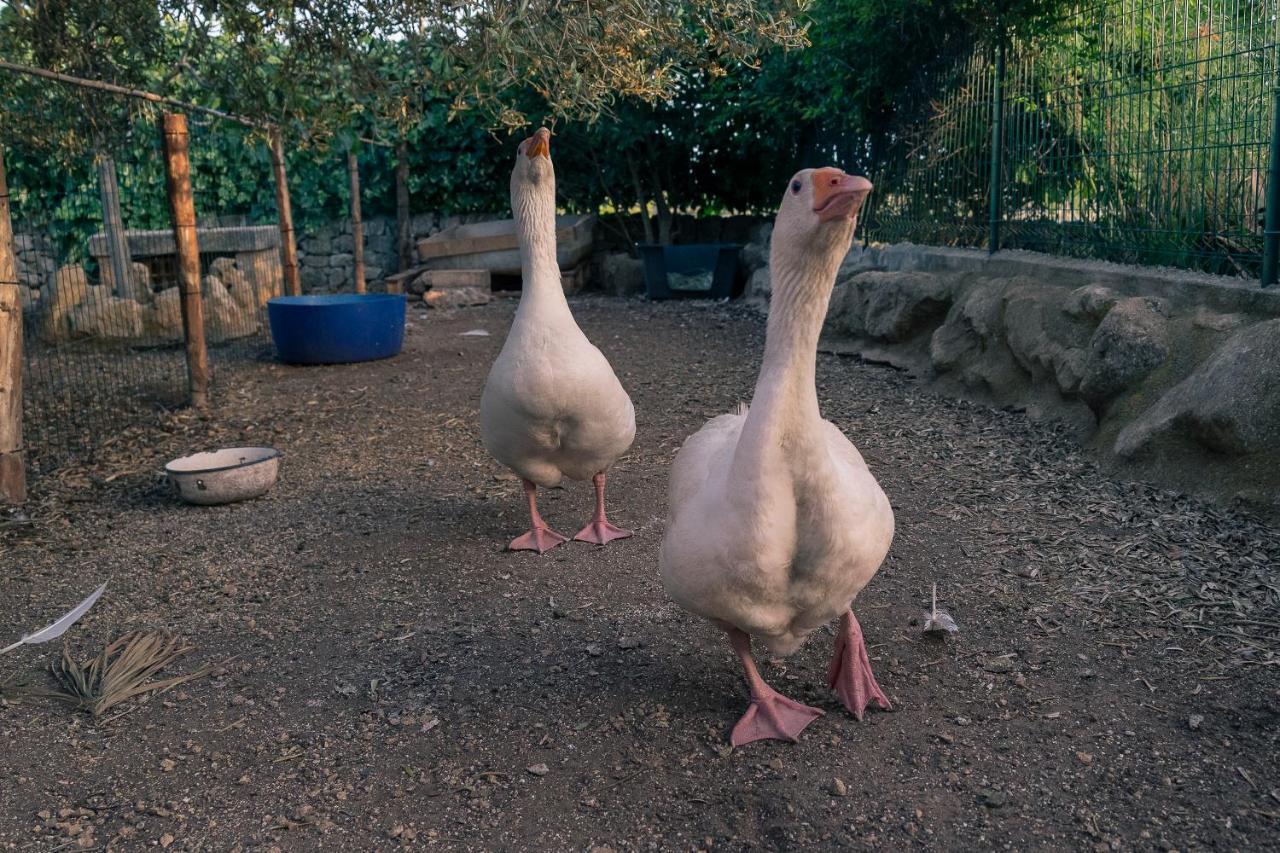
224 318
1045 339
1129 343
218 266
1229 404
139 288
70 287
902 304
163 320
238 284
970 344
107 317
621 275
970 328
1091 302
759 289
755 254
891 306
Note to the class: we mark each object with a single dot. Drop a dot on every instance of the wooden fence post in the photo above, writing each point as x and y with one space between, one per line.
113 227
357 224
1270 273
13 475
182 212
404 229
288 246
996 189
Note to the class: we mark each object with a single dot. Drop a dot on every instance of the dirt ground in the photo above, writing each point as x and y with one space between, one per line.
391 677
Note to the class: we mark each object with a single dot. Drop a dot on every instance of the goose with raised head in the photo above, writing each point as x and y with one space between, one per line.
775 523
552 406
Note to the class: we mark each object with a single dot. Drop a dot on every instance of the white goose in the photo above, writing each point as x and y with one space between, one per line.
775 522
552 406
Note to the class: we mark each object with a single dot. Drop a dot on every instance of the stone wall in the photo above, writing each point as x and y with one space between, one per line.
1168 376
325 253
36 262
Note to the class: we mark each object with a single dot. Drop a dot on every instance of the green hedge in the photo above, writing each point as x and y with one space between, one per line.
454 167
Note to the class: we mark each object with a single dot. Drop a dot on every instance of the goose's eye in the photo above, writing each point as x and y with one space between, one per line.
795 187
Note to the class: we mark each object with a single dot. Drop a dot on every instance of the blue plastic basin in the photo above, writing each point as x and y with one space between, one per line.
337 329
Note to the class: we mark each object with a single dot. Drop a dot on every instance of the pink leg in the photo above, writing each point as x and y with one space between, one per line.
770 714
600 531
850 671
540 538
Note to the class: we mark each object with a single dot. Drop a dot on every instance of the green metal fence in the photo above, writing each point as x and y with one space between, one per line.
1140 131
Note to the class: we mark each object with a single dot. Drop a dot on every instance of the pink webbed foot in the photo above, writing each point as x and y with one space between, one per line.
540 539
770 715
773 716
850 672
599 531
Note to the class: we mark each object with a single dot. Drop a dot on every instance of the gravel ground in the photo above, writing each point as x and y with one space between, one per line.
388 676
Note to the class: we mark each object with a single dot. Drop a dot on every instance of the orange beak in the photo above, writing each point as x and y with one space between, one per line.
539 144
837 195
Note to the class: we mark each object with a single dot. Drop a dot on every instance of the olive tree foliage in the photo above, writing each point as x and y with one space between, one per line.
729 141
581 57
666 105
125 42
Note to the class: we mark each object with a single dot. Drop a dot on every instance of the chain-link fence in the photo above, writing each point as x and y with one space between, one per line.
1139 131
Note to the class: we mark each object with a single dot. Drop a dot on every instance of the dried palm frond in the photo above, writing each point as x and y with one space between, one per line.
121 671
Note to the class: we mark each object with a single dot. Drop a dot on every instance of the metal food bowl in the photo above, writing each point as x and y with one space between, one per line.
224 476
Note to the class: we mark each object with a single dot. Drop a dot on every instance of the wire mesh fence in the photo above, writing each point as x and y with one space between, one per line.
97 268
1138 131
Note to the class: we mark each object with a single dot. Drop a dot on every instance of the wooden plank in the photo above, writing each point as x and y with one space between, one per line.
288 246
224 240
13 476
447 279
442 245
463 239
182 211
357 225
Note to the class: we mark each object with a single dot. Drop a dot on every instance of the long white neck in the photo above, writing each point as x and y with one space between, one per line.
535 216
784 409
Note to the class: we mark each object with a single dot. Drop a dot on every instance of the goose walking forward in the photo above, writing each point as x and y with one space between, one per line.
775 524
552 406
